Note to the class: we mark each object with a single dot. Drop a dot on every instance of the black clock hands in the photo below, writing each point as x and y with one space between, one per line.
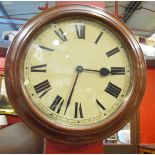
103 71
78 70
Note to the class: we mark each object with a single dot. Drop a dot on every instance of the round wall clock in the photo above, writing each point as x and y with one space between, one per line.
75 74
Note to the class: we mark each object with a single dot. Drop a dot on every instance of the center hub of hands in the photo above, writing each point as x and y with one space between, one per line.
79 69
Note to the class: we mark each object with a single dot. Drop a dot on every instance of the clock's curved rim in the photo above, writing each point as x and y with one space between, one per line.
18 97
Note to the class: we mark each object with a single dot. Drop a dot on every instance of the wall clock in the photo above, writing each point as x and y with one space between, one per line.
75 74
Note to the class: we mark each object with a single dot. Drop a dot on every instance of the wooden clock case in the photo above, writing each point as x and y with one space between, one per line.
22 102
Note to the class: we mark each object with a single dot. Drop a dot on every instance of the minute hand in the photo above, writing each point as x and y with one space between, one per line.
71 93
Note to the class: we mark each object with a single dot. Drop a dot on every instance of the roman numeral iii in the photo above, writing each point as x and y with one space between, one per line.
112 52
57 104
61 35
80 31
39 68
78 110
113 90
42 88
117 70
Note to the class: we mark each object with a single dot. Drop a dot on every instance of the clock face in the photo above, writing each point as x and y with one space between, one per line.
77 72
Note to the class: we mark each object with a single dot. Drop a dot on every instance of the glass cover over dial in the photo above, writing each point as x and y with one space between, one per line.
77 72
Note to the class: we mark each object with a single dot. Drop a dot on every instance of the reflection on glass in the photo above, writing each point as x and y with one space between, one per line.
56 42
124 135
111 139
121 137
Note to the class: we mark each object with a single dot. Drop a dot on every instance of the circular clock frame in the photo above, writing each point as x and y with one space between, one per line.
23 104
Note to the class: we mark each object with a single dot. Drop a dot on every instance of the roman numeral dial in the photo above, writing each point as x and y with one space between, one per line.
46 48
77 72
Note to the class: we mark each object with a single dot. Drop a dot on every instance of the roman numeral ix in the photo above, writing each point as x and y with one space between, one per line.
57 104
113 90
80 31
78 110
112 52
61 35
42 88
39 68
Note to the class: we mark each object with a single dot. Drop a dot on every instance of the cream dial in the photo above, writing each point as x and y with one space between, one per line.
77 73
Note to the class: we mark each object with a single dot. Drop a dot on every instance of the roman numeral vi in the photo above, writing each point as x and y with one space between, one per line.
78 110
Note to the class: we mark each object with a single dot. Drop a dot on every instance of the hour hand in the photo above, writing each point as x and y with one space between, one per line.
103 71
